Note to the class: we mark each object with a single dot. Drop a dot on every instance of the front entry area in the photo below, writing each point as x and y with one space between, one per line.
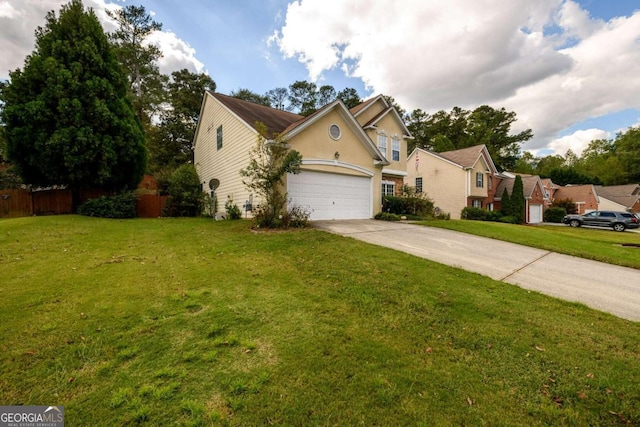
330 195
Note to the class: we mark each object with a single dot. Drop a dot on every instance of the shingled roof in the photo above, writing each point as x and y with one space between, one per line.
576 192
465 157
275 120
625 195
529 183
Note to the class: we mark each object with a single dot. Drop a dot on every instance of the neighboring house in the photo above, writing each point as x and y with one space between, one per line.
549 191
350 158
534 195
584 197
619 197
454 179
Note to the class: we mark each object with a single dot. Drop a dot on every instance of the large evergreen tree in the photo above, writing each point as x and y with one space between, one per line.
68 120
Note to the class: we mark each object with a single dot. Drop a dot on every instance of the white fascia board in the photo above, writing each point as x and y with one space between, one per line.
394 172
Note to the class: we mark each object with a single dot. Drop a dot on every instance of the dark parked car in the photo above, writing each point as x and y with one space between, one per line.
619 221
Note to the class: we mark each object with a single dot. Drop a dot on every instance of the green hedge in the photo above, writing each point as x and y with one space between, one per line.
479 214
554 214
407 205
119 206
386 216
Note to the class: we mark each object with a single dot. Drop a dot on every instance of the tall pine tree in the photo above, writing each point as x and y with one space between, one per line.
68 120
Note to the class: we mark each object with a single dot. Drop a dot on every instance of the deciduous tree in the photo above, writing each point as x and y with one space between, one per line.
270 161
628 150
171 141
247 95
463 128
278 97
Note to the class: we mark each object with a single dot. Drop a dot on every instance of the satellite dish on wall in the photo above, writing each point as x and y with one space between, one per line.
214 183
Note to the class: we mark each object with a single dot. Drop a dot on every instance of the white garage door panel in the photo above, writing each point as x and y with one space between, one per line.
535 214
331 196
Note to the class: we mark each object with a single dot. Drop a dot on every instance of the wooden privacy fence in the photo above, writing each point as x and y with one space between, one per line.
17 202
150 205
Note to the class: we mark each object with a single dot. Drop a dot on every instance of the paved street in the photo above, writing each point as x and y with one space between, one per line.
598 285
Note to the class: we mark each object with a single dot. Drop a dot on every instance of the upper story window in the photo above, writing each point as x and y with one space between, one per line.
219 137
382 143
419 184
395 149
479 179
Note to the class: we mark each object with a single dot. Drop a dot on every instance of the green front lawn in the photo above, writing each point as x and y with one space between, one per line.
592 243
195 322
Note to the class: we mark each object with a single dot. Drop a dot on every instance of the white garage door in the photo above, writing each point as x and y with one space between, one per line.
331 196
535 214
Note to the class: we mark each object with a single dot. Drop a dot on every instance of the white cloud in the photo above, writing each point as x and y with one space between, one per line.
577 141
20 18
8 11
436 55
177 53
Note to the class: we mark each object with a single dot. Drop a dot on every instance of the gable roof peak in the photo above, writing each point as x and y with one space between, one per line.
468 156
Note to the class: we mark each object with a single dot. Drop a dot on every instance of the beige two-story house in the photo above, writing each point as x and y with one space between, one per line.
454 179
344 173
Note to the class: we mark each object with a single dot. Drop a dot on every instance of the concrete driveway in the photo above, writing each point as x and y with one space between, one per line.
598 285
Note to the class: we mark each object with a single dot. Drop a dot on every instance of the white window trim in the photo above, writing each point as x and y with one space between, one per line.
339 131
395 141
382 137
384 186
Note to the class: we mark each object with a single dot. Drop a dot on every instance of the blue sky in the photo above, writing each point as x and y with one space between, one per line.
567 68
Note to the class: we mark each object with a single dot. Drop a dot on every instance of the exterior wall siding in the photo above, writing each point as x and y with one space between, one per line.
224 164
391 127
443 182
348 155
